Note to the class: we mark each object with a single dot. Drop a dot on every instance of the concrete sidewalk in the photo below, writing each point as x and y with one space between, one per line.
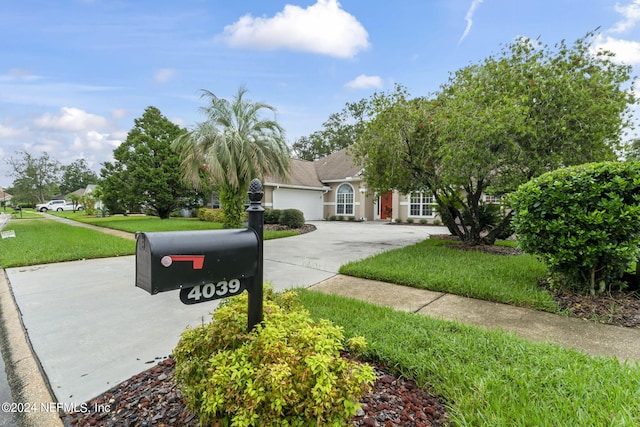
590 337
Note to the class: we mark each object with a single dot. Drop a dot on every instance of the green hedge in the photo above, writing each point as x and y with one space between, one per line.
292 218
582 221
210 215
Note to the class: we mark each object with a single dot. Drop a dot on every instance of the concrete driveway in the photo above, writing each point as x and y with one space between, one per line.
91 328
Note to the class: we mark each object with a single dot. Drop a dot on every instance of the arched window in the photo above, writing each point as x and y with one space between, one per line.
344 200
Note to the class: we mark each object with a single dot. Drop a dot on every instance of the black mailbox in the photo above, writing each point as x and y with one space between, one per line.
167 261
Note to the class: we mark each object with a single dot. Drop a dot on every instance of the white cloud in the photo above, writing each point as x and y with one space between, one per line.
323 28
469 18
179 121
70 119
9 132
164 75
631 15
627 51
365 82
118 113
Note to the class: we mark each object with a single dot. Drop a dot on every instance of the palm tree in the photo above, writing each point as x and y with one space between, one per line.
229 149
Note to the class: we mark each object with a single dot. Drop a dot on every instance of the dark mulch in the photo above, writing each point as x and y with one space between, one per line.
151 398
613 307
307 228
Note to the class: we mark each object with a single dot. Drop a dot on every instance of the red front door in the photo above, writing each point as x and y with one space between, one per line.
386 205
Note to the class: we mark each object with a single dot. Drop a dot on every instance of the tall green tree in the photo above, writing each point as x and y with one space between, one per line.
497 124
146 172
36 179
339 131
76 175
631 150
230 148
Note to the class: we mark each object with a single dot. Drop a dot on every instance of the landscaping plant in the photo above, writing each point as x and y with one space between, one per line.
292 218
287 372
583 222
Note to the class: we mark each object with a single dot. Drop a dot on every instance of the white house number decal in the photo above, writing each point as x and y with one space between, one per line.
211 291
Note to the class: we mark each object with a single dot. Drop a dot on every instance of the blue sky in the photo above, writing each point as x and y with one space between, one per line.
74 74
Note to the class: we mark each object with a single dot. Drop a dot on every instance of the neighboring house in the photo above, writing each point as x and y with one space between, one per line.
334 187
90 189
5 198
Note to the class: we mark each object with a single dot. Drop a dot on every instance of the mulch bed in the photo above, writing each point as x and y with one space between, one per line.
151 398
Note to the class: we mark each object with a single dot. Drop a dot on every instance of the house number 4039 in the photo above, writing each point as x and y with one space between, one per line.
211 291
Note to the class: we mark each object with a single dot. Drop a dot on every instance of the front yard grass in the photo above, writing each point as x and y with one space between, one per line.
135 223
431 264
489 378
132 224
41 241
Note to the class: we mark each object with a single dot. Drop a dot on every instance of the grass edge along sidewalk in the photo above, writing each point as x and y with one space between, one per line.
433 265
489 377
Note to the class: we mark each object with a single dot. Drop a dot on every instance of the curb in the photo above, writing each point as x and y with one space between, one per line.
27 382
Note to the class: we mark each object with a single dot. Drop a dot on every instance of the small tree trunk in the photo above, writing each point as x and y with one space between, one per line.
490 238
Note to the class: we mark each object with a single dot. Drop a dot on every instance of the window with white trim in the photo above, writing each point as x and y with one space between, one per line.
422 205
344 200
493 200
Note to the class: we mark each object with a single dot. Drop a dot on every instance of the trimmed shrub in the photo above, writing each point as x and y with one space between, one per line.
272 216
286 372
210 215
582 221
424 222
409 220
292 218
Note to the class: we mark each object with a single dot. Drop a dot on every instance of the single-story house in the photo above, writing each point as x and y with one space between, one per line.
5 198
334 186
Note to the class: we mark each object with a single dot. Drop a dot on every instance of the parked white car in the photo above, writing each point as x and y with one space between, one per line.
57 205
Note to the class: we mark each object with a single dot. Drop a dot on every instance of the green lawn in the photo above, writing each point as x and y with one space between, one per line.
41 241
432 265
135 223
132 224
489 378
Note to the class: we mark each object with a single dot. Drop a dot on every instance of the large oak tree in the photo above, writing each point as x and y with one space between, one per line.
35 178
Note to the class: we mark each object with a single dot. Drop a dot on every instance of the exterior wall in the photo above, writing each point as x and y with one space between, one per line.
402 210
267 198
363 204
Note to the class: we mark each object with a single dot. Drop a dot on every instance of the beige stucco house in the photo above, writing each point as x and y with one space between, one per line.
334 187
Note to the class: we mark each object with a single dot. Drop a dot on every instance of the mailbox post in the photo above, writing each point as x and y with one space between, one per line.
209 264
256 223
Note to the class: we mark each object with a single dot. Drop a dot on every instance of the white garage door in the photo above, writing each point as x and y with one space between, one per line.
308 201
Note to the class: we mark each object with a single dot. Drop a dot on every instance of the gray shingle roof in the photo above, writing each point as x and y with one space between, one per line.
334 167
